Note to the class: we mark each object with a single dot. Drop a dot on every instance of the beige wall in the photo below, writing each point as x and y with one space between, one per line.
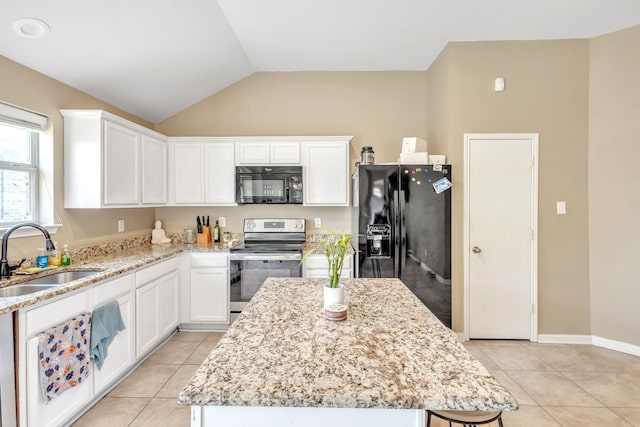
29 89
614 185
377 108
547 93
580 96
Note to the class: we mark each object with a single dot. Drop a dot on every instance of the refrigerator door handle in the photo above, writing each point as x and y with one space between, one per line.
403 239
396 236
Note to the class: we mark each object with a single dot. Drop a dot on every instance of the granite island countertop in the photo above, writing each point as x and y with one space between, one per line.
391 353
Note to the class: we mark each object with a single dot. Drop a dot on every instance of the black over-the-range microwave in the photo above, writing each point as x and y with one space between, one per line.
269 184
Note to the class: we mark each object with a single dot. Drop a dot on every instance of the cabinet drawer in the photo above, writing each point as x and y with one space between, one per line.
320 262
47 316
209 260
113 289
160 269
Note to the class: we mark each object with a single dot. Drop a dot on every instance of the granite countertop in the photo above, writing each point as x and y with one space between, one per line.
114 258
110 261
391 352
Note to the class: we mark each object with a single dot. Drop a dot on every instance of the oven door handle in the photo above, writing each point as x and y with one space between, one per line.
265 257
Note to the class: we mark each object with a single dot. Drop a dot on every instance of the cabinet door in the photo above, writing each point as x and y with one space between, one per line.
220 173
317 266
285 152
147 333
121 165
188 172
326 174
154 171
122 354
209 295
253 153
55 412
167 304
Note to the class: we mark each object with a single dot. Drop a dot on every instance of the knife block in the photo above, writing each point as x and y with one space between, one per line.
202 239
206 230
206 235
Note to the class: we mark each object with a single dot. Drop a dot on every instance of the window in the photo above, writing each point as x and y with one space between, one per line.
18 174
26 170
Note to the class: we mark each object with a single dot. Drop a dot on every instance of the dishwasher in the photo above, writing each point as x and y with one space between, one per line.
7 377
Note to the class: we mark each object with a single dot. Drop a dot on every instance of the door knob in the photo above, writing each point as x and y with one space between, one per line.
476 250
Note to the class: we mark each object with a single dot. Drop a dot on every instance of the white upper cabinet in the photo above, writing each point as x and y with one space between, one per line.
154 171
111 162
268 152
326 172
220 187
201 172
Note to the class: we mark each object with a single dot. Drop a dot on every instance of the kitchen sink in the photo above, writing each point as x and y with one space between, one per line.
61 277
22 289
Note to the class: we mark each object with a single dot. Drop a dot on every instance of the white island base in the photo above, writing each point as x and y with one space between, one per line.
274 416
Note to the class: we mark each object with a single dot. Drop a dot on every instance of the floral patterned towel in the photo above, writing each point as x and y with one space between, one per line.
63 355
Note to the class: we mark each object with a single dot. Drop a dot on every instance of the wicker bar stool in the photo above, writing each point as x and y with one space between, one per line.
466 418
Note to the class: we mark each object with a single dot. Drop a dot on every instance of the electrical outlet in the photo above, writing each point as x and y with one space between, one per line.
318 222
561 208
120 225
222 221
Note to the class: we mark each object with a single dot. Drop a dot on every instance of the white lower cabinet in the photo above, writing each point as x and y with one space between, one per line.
317 266
121 354
156 304
148 301
209 288
33 408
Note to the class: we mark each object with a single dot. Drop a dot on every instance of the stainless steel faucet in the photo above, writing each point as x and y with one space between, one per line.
5 268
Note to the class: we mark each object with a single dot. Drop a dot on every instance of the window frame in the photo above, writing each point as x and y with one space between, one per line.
41 169
31 168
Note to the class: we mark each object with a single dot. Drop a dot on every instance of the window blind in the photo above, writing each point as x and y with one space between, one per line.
22 117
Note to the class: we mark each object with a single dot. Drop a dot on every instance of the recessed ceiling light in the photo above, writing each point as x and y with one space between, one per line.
31 28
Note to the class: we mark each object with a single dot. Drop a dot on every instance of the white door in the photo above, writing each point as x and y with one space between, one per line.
500 235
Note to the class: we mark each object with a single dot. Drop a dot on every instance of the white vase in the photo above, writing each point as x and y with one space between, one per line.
333 295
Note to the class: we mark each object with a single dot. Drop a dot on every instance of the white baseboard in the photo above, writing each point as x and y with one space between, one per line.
616 345
564 339
590 339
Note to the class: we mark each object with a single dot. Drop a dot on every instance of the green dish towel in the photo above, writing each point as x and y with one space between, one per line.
105 325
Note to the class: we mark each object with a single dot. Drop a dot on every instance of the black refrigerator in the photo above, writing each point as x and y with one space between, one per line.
402 214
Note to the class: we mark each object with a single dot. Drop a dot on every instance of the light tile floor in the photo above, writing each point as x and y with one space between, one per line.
556 385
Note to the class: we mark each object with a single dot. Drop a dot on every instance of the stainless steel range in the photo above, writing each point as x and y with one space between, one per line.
272 248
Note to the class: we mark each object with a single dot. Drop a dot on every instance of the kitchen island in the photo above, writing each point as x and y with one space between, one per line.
282 363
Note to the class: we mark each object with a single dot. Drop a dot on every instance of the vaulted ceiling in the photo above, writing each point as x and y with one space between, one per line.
154 58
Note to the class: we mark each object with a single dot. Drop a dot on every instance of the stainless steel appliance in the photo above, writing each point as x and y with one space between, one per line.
272 248
404 229
269 184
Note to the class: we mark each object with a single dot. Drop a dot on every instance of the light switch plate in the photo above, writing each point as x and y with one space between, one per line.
561 208
222 221
120 225
318 222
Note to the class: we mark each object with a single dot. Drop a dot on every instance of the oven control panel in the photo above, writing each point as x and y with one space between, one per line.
274 225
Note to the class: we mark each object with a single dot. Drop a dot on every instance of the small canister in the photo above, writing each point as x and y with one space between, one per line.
189 236
367 156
